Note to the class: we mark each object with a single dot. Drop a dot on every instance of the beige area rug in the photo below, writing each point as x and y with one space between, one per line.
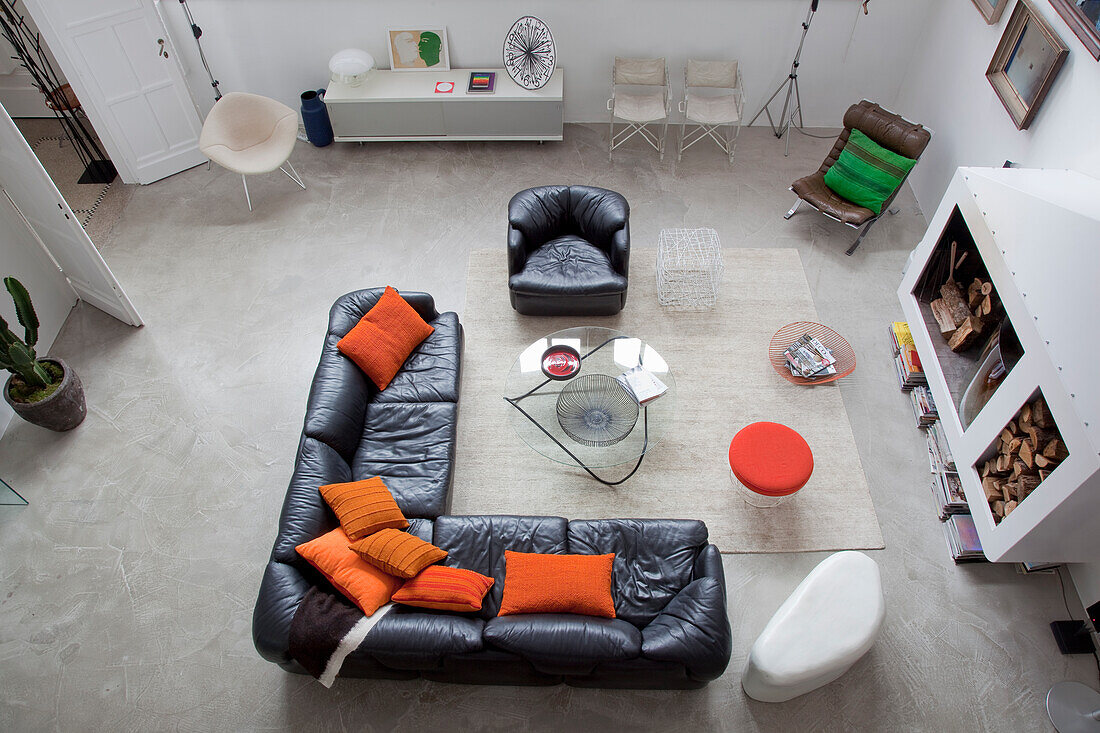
724 382
97 205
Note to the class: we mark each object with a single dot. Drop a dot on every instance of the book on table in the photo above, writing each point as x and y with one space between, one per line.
643 384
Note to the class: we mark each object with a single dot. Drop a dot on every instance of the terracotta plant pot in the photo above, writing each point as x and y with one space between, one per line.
63 410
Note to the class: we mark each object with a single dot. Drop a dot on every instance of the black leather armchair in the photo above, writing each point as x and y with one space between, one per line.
568 251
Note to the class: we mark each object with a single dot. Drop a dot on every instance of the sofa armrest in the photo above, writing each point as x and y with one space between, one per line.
281 590
422 303
693 630
708 564
517 251
619 253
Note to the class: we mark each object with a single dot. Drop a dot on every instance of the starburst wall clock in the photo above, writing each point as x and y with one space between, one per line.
529 53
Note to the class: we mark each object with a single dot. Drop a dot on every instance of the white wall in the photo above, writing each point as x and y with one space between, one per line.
946 89
280 48
22 257
18 93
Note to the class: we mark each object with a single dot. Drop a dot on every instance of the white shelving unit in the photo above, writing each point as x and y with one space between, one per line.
403 106
1038 233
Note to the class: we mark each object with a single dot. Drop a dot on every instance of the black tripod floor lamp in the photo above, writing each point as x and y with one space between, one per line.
782 126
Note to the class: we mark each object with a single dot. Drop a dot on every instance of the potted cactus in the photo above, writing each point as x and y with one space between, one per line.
45 392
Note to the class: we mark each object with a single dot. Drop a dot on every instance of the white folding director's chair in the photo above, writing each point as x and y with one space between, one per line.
708 108
640 108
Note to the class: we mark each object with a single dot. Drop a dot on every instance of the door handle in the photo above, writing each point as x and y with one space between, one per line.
163 51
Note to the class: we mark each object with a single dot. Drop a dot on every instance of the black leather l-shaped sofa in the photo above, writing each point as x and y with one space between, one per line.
671 629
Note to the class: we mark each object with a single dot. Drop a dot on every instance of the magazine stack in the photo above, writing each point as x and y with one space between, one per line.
924 407
948 492
962 539
809 358
906 361
939 453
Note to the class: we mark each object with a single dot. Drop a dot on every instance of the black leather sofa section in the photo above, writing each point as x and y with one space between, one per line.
672 629
568 251
405 434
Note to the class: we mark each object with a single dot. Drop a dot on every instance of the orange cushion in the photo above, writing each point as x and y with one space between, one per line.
445 589
535 583
366 586
383 339
398 553
364 507
771 459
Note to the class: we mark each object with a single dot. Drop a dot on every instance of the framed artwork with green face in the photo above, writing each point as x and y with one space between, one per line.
424 49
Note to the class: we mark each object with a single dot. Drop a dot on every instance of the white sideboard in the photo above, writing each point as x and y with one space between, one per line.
404 106
1037 233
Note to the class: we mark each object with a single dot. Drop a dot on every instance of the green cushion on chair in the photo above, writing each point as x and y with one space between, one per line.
866 173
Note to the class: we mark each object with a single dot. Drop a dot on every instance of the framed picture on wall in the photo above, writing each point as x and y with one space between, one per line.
1083 18
991 9
423 49
1025 64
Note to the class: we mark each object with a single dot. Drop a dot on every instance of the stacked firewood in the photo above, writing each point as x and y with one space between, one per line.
1030 448
963 316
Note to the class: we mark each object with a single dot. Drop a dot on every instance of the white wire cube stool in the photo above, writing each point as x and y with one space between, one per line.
689 268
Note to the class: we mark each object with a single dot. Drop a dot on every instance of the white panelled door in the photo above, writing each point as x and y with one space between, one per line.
27 184
121 63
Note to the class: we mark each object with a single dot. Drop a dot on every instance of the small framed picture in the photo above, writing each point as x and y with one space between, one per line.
419 49
1025 64
991 9
1083 18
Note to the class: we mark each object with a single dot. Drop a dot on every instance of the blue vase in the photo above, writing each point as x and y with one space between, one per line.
315 117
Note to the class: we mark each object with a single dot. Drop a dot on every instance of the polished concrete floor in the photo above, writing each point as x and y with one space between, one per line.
128 582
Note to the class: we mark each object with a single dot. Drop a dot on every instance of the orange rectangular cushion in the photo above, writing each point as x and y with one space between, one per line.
365 585
445 589
398 553
364 507
384 337
536 583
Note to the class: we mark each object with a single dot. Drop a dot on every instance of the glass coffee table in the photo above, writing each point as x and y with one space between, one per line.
585 416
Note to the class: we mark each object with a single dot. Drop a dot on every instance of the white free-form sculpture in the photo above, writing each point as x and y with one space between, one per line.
830 620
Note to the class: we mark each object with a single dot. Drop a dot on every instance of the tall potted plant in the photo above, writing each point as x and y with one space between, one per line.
45 392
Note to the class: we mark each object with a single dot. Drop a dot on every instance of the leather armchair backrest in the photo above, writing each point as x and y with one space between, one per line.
478 543
889 130
597 214
654 559
546 212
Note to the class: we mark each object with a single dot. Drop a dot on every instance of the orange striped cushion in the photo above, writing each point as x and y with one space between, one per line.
398 553
366 586
445 589
364 507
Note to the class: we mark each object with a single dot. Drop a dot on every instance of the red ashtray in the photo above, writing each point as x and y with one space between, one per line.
561 362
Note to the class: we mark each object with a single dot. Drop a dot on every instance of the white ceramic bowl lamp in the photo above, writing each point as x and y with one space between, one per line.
351 66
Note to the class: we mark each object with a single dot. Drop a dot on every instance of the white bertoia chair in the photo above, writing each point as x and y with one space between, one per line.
640 107
713 98
250 134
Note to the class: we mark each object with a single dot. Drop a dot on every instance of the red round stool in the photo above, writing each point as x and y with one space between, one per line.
770 462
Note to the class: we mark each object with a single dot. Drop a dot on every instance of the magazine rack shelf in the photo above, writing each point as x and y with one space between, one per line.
1036 235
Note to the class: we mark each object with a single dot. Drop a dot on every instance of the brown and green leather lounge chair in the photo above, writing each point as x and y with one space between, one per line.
889 130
